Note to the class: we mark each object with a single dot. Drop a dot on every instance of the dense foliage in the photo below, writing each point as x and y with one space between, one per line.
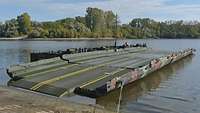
98 23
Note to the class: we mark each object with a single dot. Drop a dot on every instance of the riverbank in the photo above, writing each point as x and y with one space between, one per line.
55 39
13 39
81 39
15 101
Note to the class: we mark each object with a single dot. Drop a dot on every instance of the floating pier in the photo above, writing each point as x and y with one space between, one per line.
91 74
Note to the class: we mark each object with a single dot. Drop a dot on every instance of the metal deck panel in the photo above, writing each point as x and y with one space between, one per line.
86 70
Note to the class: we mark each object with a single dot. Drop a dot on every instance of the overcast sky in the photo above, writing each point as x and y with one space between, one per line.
42 10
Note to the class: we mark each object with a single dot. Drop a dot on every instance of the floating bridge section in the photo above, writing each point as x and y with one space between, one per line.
90 74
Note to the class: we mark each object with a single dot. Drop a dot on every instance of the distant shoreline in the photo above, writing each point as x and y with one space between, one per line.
78 39
55 39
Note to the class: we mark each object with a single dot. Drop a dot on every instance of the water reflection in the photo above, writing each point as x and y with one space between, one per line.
146 85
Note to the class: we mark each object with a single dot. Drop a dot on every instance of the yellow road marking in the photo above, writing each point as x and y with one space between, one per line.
93 81
51 70
35 87
68 66
100 78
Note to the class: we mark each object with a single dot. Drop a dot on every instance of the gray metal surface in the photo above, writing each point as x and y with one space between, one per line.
89 70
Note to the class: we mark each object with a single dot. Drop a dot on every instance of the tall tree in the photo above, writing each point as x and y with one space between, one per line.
95 20
24 21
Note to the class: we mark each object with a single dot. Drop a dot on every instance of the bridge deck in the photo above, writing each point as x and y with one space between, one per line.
86 70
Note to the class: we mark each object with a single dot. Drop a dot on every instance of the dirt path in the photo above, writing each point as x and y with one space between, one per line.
14 101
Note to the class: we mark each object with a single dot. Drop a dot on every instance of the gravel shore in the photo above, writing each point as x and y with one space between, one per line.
14 101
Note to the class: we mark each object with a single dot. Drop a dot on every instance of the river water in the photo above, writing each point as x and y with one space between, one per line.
173 89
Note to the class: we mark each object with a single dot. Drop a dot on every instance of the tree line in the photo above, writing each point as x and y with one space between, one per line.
98 24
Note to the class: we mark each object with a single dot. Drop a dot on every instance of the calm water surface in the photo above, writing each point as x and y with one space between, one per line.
173 89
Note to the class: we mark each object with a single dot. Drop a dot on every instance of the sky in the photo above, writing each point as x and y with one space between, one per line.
49 10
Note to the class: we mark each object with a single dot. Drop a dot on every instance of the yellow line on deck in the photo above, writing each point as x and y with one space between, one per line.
35 87
93 81
67 66
50 70
100 78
